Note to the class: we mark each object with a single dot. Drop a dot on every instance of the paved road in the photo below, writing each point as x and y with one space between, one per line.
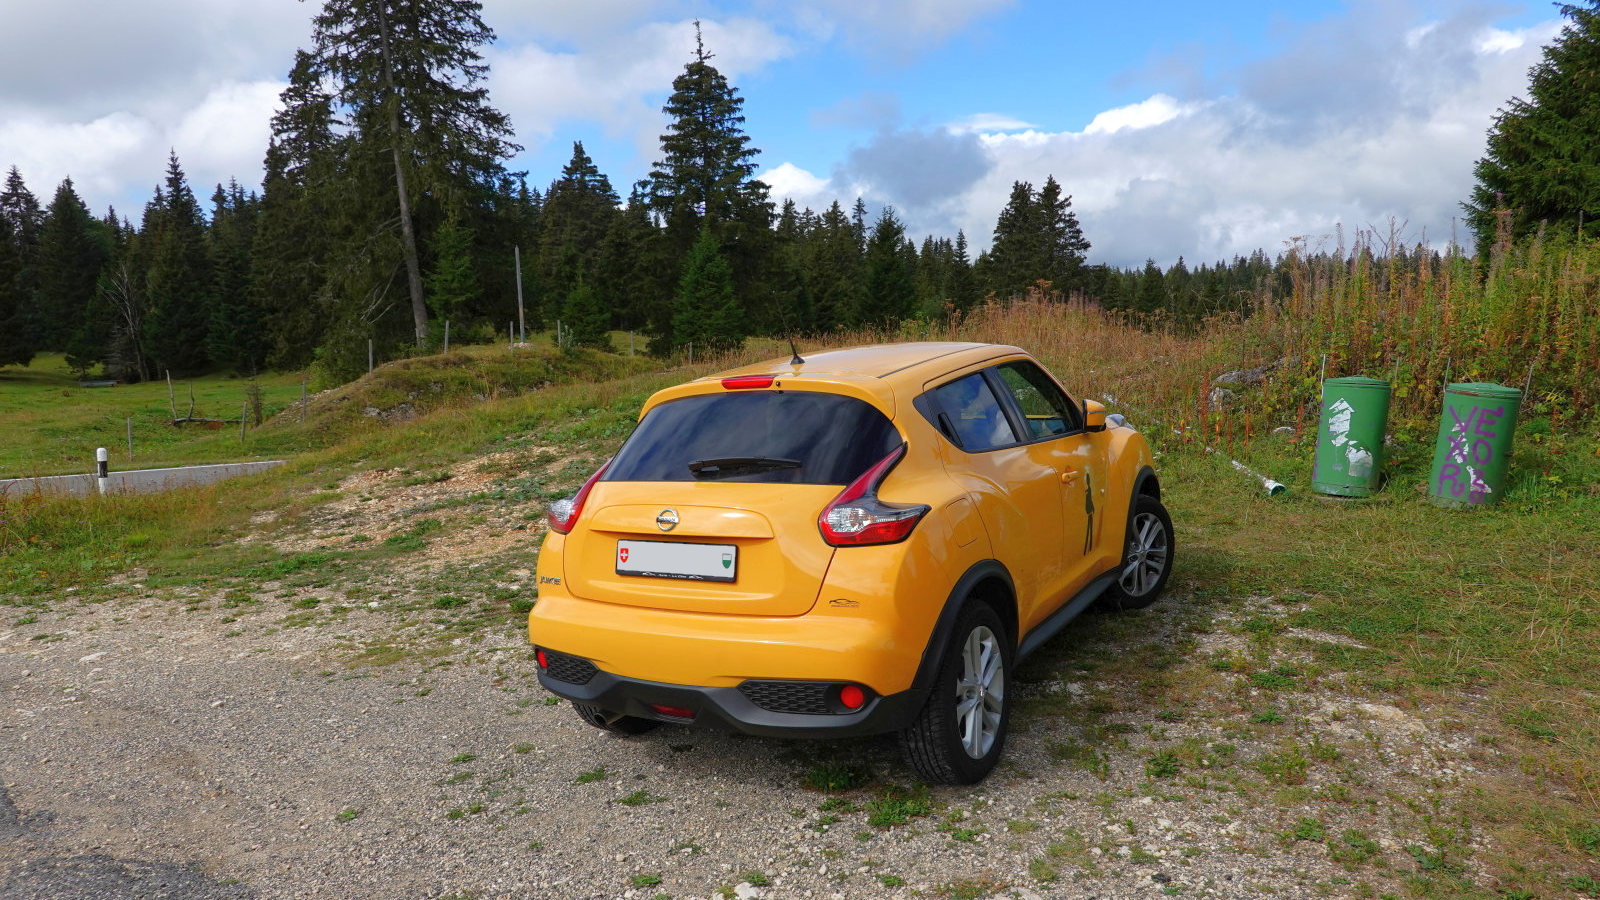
135 481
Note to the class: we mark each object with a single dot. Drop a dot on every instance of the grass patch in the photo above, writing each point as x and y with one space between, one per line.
896 805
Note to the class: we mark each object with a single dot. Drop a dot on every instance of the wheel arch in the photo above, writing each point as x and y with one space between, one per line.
986 581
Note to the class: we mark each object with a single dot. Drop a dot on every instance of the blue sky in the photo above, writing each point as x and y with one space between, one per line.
1190 129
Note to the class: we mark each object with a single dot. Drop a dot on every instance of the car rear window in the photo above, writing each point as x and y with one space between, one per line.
833 439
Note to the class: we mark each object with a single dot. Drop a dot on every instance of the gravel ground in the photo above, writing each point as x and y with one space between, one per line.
142 757
164 743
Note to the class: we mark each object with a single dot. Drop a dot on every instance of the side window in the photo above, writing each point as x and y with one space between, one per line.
1045 410
975 414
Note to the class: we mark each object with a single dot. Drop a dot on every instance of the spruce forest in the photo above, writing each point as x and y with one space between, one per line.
387 210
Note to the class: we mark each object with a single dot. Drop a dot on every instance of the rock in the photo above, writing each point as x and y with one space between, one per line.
93 656
217 704
1221 398
1283 430
1243 376
744 890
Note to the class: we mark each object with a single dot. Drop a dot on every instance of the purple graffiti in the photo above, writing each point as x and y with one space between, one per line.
1470 450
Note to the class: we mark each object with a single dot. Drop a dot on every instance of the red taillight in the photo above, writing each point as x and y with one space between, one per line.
564 512
852 697
544 661
857 517
677 712
747 382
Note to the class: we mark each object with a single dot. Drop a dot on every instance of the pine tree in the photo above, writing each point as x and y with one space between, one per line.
1020 253
706 310
453 282
1036 238
837 271
891 292
1542 164
578 212
1151 295
409 77
179 277
1065 247
16 347
705 180
707 162
71 253
585 318
963 285
630 279
236 336
22 213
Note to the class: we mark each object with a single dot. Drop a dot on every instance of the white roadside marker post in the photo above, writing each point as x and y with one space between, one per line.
102 471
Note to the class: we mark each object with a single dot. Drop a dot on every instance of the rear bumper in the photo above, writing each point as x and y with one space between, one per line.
728 709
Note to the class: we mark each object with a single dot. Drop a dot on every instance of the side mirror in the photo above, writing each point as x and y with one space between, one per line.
1094 416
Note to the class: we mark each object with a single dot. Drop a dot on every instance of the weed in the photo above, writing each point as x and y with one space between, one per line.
1162 765
644 881
838 804
592 775
463 758
448 602
1584 884
1288 766
348 814
1353 848
1040 870
891 881
756 879
1306 830
640 798
972 889
521 748
1267 717
897 806
834 777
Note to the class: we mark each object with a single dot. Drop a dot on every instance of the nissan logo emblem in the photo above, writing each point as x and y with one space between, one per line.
667 520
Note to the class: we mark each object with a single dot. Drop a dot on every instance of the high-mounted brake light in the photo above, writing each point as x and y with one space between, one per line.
564 512
857 517
747 382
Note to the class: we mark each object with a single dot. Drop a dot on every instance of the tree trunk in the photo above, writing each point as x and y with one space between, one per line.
408 236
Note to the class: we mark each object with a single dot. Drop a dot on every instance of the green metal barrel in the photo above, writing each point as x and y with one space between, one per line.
1473 452
1355 416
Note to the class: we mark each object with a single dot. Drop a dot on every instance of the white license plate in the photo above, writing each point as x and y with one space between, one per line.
666 559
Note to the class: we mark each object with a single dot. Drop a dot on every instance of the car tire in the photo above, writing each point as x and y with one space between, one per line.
1146 557
608 721
960 733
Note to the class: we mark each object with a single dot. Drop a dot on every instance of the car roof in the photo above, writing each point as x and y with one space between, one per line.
877 373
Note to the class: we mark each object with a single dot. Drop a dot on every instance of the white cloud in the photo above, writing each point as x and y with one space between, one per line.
1348 134
990 122
1144 114
619 85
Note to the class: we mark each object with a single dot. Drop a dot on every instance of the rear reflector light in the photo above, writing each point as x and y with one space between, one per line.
677 712
857 517
747 382
544 661
564 512
852 697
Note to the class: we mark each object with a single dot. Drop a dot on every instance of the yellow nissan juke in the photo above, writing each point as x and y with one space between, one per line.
862 541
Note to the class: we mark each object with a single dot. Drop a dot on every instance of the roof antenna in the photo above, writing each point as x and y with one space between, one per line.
797 361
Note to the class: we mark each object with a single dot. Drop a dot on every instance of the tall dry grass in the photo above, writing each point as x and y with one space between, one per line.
1417 319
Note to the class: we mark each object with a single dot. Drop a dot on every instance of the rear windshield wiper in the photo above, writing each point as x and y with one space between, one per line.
739 465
